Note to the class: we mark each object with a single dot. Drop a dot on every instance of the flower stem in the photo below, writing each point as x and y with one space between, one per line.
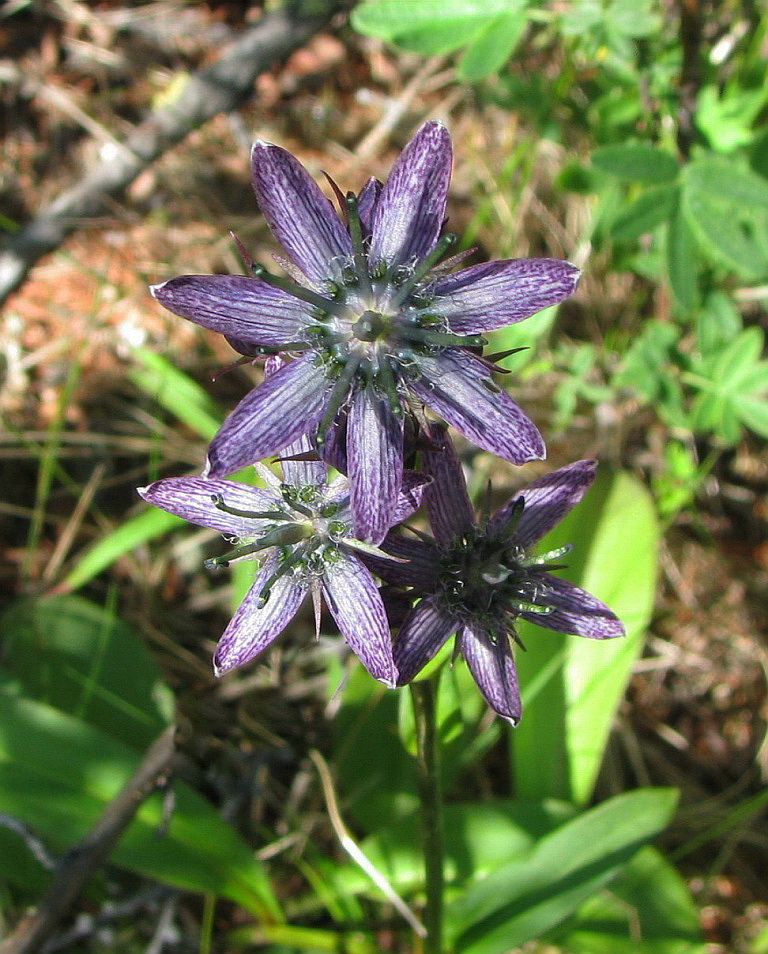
423 695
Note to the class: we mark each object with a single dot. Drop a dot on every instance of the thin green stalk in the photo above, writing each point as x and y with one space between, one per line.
423 695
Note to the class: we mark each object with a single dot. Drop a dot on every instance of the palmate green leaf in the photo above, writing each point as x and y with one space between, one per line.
753 412
523 899
492 46
637 162
86 661
571 686
724 206
647 909
682 260
645 213
57 774
429 26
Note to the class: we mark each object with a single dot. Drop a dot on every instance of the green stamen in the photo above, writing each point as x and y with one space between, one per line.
441 338
356 233
218 502
337 397
297 291
424 267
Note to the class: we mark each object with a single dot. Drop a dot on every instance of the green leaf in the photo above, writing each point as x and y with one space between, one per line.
492 46
86 661
646 910
682 261
645 213
58 774
428 26
521 900
571 687
726 181
637 162
753 412
177 393
717 322
125 538
735 362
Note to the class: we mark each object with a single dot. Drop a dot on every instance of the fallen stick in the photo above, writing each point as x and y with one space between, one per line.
217 89
81 862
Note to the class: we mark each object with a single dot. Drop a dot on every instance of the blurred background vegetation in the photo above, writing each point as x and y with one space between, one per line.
628 136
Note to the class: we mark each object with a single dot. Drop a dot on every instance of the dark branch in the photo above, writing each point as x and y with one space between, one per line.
217 89
79 864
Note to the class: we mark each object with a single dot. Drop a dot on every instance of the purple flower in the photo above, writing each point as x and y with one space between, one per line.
375 326
479 579
301 529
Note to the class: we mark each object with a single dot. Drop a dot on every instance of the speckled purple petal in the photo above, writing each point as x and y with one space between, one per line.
576 612
496 294
366 203
450 510
410 495
411 208
190 499
494 671
303 473
252 629
375 460
288 404
245 309
355 603
547 500
452 385
420 570
425 630
301 218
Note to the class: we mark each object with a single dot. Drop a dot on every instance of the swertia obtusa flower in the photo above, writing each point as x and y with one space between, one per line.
478 579
375 325
301 527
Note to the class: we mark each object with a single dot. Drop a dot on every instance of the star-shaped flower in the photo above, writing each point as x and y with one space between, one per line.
375 325
477 579
300 526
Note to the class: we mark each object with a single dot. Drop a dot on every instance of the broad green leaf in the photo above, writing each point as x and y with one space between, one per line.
86 661
571 687
726 181
135 531
58 774
647 909
753 412
479 838
523 899
645 213
717 322
177 393
18 866
637 162
734 364
428 26
492 46
682 261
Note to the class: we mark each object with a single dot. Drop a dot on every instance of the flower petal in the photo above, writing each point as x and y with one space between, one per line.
366 202
496 294
452 385
303 473
493 669
300 216
420 637
576 612
191 499
242 308
420 570
375 460
411 208
288 404
355 603
547 500
409 498
448 504
252 629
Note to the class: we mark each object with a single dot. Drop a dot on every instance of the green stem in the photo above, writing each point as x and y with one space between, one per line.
423 695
